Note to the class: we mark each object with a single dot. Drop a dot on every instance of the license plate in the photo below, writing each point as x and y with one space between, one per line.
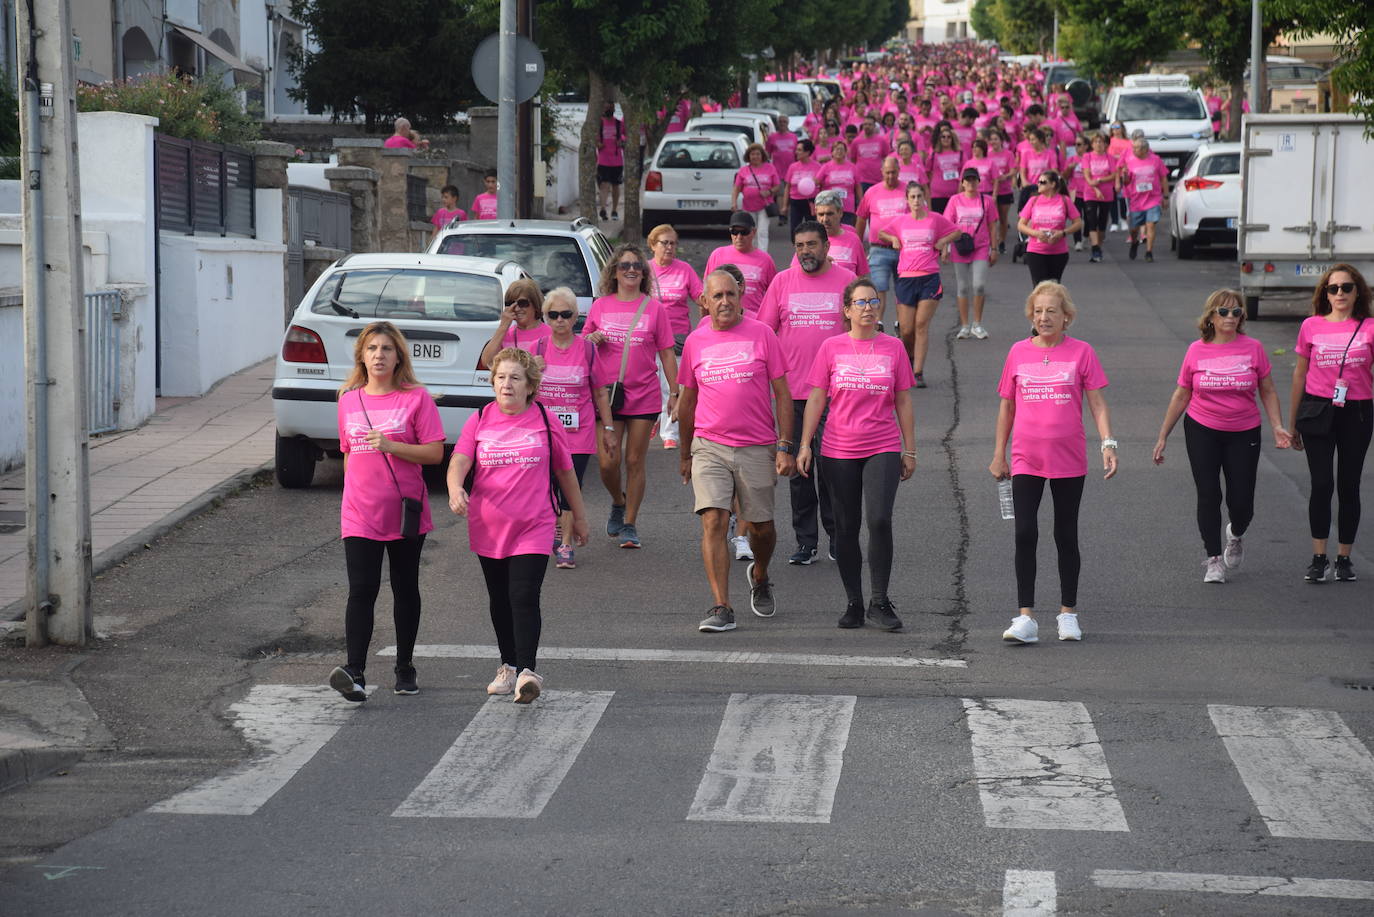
1311 270
428 351
695 205
1230 222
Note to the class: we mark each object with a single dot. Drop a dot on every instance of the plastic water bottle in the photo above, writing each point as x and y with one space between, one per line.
1004 499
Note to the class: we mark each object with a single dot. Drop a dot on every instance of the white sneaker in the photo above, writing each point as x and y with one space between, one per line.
979 332
1216 570
742 549
963 333
1023 630
1078 246
1068 626
1115 227
1235 550
504 682
528 686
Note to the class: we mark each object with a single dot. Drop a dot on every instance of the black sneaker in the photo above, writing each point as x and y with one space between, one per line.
853 616
920 380
1149 255
803 556
1345 571
603 213
883 615
348 683
405 680
1135 245
1316 571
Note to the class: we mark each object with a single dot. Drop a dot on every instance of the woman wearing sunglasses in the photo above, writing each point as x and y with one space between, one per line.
864 380
1335 355
1222 373
630 329
1047 220
522 320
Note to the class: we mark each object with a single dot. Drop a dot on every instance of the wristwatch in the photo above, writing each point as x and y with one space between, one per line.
787 448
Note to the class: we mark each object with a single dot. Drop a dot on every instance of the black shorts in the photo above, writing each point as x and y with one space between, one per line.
1006 198
610 175
627 417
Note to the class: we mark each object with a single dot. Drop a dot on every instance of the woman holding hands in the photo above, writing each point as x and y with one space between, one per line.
1221 374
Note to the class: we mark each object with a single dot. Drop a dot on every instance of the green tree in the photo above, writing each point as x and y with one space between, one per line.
1022 26
1114 37
982 19
388 58
1221 29
1351 24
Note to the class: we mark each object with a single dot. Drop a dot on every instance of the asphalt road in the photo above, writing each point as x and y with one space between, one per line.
1131 773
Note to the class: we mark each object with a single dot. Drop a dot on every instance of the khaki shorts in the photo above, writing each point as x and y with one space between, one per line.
721 473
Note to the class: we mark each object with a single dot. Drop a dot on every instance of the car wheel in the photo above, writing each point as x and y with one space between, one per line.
295 461
1185 249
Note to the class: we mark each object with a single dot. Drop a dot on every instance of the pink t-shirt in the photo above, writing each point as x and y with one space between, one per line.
653 332
846 251
510 509
608 151
526 338
805 309
397 142
911 171
1046 387
868 154
371 506
678 289
733 372
566 390
1224 379
841 176
1053 212
756 265
1143 181
1006 165
985 168
861 380
918 255
880 206
1323 342
1035 162
443 217
944 173
484 207
801 180
1098 166
757 185
976 217
782 149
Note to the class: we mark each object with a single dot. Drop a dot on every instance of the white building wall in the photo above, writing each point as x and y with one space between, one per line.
947 21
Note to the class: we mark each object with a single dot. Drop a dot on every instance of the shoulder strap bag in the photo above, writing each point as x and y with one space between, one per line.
411 508
618 388
966 243
554 492
1316 413
771 206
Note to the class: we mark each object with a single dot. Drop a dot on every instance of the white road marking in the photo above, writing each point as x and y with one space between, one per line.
777 758
1029 893
1306 771
510 759
288 724
1039 764
612 654
1234 885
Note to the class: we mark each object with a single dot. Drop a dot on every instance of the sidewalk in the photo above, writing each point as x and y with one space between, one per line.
145 481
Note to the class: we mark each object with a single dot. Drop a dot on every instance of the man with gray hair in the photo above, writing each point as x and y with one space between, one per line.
846 248
405 138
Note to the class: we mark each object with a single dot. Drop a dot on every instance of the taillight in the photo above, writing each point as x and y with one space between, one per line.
302 346
653 181
1247 268
1268 267
1200 184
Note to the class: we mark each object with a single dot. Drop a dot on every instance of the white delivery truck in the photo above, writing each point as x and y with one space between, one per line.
1307 202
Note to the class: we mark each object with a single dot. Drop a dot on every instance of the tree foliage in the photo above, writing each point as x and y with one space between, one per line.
1117 37
1352 26
1018 26
200 109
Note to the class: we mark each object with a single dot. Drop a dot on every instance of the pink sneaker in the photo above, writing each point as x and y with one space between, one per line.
504 682
528 686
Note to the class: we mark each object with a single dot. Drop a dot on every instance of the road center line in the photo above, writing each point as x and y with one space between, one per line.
1355 889
1029 893
1306 771
1040 765
613 654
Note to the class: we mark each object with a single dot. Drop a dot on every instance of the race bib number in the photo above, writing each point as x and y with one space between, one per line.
567 417
951 174
1144 187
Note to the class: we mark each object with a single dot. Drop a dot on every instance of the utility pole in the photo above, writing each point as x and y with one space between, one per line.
505 115
58 597
525 142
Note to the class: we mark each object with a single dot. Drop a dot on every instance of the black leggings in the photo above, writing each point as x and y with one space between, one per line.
1215 454
859 486
513 585
1351 428
363 557
1046 267
1026 491
1078 233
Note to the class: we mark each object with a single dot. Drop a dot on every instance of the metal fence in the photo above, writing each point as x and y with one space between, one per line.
313 215
417 201
204 187
102 360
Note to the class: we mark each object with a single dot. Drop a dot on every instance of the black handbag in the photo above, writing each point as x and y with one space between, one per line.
965 244
411 508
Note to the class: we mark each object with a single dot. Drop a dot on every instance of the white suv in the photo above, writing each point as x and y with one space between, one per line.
1172 114
446 306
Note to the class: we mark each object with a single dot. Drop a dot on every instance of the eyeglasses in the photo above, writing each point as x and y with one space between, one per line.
740 230
521 303
630 267
1045 181
873 303
1333 288
1236 311
566 314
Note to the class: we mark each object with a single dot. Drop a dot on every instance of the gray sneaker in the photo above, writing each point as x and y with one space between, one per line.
617 520
883 615
761 595
721 618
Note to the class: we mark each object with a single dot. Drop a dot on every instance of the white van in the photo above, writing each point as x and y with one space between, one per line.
790 99
1172 114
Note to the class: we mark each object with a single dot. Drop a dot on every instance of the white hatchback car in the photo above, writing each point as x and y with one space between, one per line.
753 126
447 307
691 177
1205 203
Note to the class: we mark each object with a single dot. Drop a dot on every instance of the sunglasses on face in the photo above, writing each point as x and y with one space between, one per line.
521 303
1333 288
739 231
1237 312
566 314
1044 181
630 267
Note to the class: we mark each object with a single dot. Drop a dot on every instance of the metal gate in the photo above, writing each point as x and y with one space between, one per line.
102 360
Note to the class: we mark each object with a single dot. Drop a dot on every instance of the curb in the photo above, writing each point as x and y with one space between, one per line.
20 766
197 505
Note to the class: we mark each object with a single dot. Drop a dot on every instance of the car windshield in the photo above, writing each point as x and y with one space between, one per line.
721 127
1162 106
1220 164
406 293
553 261
787 103
698 154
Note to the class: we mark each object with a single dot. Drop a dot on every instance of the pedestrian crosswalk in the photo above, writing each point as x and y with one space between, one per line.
786 758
